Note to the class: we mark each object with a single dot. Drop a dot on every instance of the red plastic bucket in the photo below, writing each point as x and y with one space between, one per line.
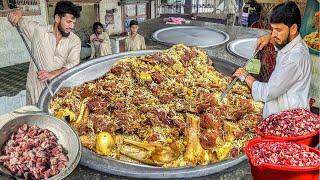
276 172
311 139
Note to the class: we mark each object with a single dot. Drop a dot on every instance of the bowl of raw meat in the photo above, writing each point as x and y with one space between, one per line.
276 159
298 125
39 147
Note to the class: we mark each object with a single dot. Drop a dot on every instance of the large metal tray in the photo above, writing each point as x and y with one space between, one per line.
96 68
191 36
242 47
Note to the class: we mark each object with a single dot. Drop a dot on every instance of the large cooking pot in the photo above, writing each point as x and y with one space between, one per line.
98 67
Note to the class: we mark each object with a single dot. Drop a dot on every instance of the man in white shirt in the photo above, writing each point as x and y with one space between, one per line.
289 83
56 48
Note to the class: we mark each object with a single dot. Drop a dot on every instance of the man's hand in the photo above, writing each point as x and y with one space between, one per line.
97 39
240 72
44 75
263 41
248 78
15 17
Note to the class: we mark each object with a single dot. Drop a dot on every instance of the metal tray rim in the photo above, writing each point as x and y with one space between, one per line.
231 43
152 172
154 36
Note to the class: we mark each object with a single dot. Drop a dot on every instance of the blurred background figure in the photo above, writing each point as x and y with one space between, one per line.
99 41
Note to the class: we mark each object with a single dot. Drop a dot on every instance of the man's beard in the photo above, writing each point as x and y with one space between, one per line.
63 33
282 45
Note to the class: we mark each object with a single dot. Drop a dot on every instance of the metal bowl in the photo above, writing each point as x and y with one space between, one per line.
242 47
67 137
98 67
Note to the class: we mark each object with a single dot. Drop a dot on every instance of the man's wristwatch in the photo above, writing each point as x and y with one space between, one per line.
243 78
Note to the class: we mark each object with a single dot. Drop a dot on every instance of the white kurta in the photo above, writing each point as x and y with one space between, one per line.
99 49
48 54
135 44
289 84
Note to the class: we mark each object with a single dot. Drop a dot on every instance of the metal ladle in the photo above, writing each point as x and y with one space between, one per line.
224 94
32 57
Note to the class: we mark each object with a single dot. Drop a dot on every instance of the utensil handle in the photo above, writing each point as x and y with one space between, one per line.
50 91
228 88
255 53
32 57
224 94
253 56
28 48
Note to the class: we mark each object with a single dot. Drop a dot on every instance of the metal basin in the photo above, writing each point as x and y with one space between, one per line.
95 69
191 36
242 47
67 137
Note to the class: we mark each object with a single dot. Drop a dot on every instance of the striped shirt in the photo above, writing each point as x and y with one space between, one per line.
49 55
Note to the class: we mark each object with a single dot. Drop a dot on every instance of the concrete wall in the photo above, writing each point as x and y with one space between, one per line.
153 9
12 49
108 5
86 20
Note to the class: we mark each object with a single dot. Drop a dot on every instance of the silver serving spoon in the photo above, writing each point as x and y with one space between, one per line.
224 94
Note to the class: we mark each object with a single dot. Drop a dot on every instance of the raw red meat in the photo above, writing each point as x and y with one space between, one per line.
284 154
33 153
296 122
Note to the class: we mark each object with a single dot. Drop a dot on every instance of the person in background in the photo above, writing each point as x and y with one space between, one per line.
255 15
134 41
231 14
55 47
99 41
289 83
